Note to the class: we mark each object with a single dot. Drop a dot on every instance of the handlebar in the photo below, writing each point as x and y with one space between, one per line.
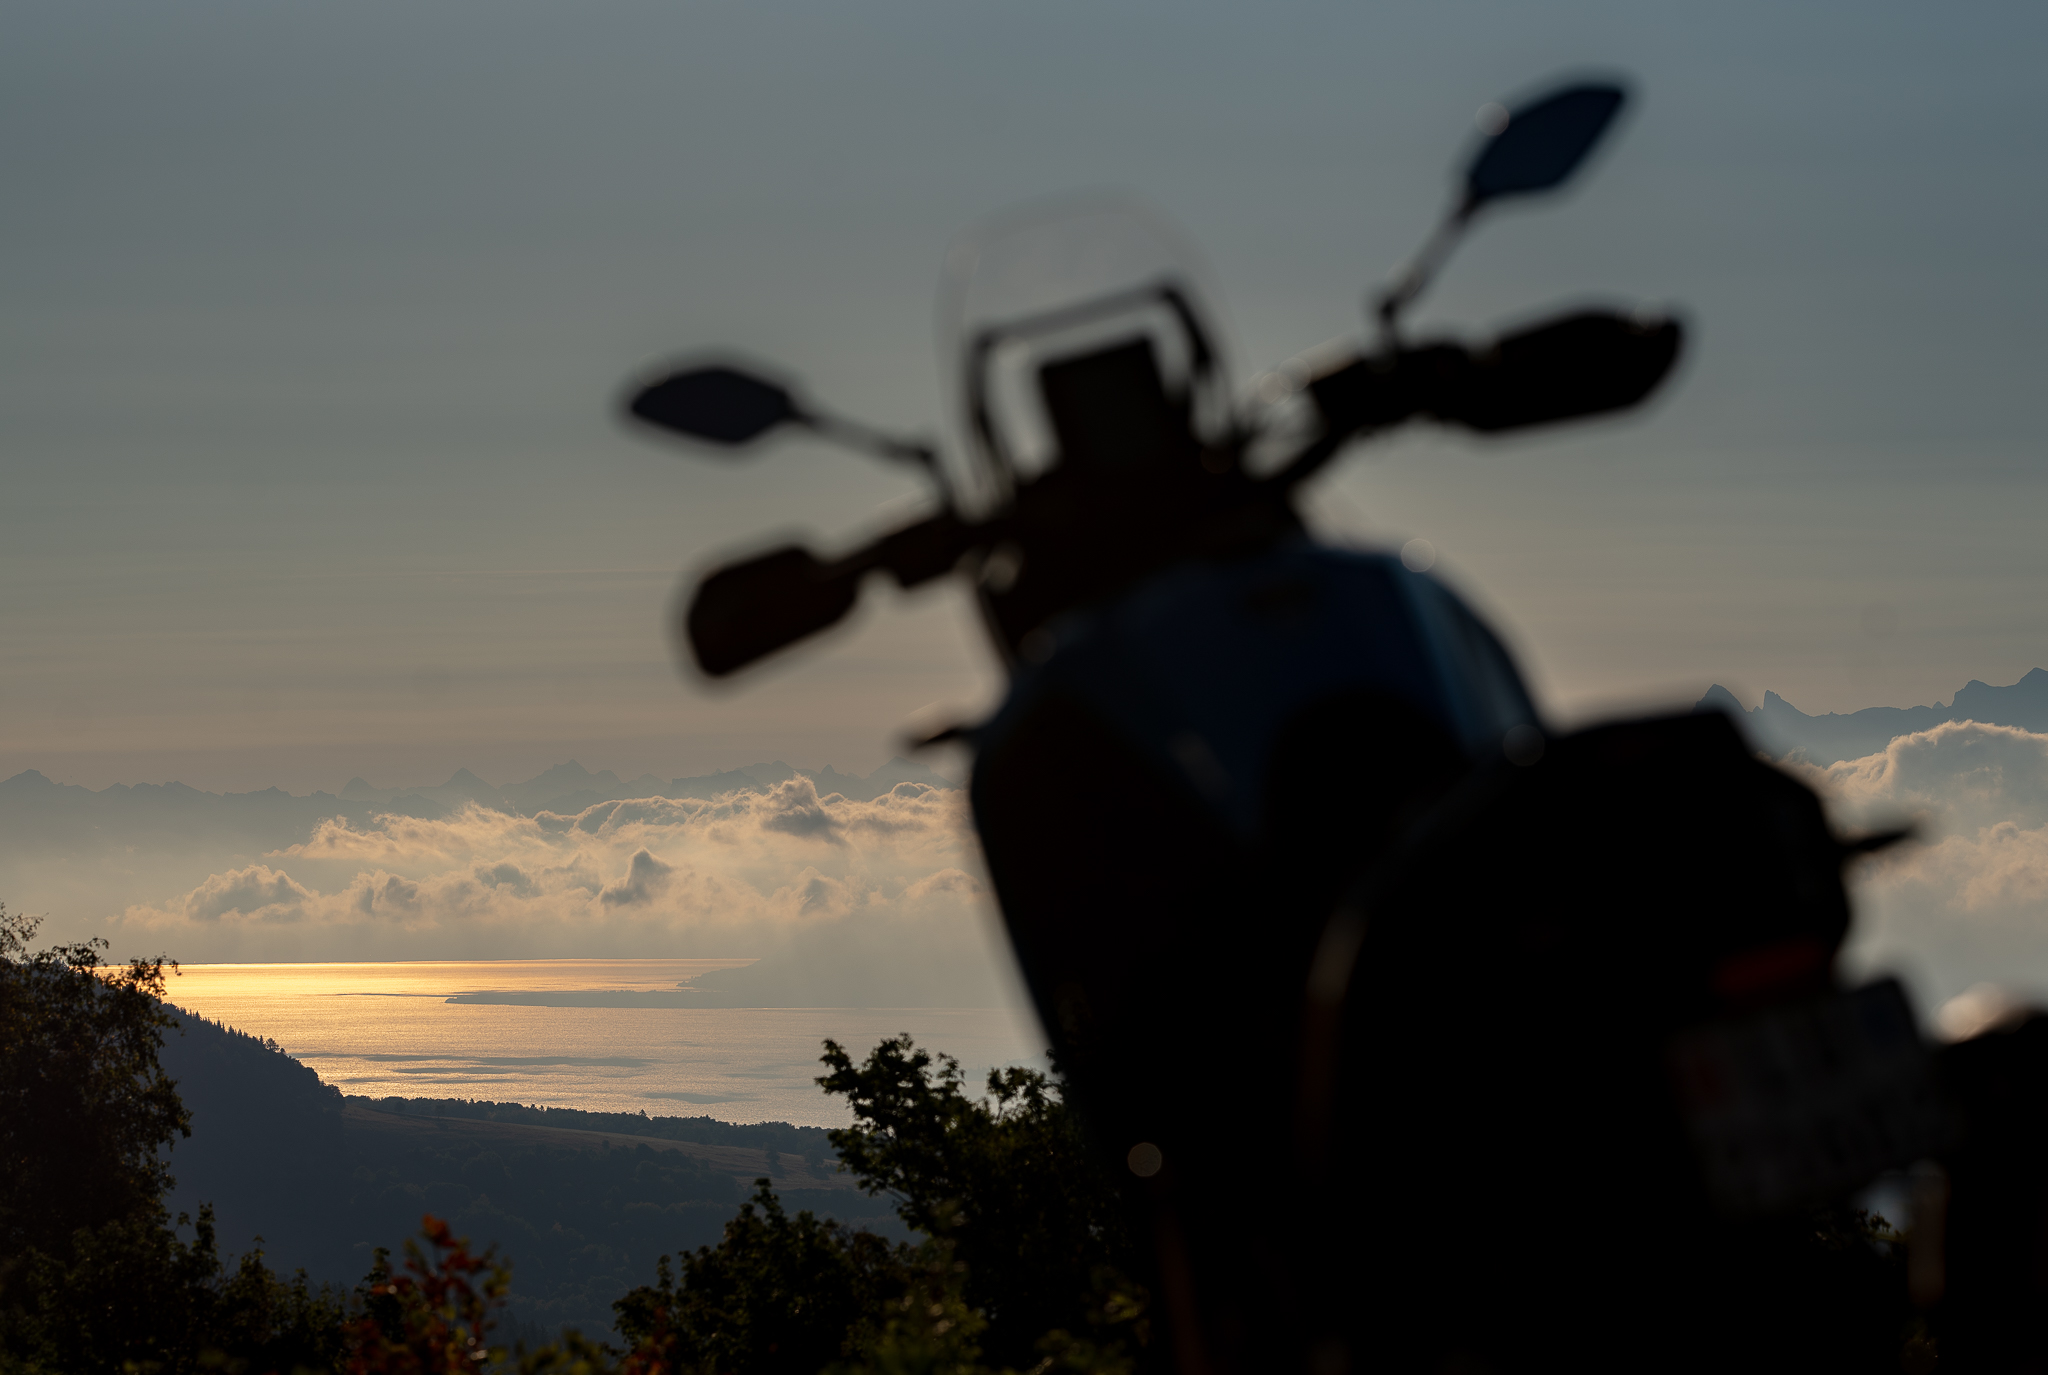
748 610
1586 363
1583 364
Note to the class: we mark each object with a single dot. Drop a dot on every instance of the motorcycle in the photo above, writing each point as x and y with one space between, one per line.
1484 963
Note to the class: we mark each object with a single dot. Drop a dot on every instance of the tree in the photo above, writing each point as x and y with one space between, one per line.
131 1295
94 1275
779 1295
436 1317
1008 1182
1025 1264
929 1329
84 1105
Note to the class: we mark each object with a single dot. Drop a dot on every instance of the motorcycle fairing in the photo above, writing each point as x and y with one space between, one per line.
1199 670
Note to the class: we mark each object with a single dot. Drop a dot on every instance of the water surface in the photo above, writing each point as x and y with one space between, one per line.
389 1029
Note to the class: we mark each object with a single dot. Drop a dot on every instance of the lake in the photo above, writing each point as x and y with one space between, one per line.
567 1033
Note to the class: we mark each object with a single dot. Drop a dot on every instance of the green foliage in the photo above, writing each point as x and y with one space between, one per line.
928 1330
1024 1264
130 1295
575 1354
583 1225
1008 1183
779 1295
84 1106
93 1274
436 1317
1838 1275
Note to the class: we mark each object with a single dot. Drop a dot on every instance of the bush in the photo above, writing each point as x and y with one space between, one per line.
1025 1264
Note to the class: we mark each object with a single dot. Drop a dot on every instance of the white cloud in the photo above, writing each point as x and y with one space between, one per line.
257 889
1968 901
1961 775
885 901
646 879
849 895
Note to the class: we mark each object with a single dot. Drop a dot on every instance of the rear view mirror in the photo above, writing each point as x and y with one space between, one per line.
718 404
1541 145
721 405
1534 148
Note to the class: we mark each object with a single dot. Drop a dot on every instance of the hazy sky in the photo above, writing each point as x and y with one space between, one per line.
315 316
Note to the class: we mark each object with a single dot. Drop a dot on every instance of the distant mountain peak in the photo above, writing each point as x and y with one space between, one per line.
31 802
1719 698
561 775
1780 728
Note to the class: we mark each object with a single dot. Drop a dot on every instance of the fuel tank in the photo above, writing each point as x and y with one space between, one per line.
1176 791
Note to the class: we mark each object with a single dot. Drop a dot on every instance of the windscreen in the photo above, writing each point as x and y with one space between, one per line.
1078 333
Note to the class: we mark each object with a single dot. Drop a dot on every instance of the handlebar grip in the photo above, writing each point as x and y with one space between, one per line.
746 611
1374 392
1583 364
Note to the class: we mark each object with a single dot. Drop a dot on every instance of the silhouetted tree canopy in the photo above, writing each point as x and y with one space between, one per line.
93 1274
1026 1264
778 1295
84 1106
1007 1180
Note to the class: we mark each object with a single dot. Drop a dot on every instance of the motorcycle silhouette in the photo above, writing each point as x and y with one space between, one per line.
1491 972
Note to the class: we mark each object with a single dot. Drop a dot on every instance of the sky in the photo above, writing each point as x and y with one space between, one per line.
316 317
314 321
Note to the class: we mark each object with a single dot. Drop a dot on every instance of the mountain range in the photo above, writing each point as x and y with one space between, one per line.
34 810
1780 728
569 788
38 813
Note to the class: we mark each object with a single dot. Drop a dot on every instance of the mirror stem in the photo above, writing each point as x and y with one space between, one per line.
856 436
1415 278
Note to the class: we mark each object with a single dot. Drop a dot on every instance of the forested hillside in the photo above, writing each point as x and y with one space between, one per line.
584 1202
1016 1256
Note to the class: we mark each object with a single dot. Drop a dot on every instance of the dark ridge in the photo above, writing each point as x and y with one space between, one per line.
1780 728
708 1131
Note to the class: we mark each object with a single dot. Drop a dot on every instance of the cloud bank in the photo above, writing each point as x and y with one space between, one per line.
842 901
881 902
1968 901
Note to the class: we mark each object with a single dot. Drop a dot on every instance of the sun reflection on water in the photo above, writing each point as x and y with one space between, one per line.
388 1029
